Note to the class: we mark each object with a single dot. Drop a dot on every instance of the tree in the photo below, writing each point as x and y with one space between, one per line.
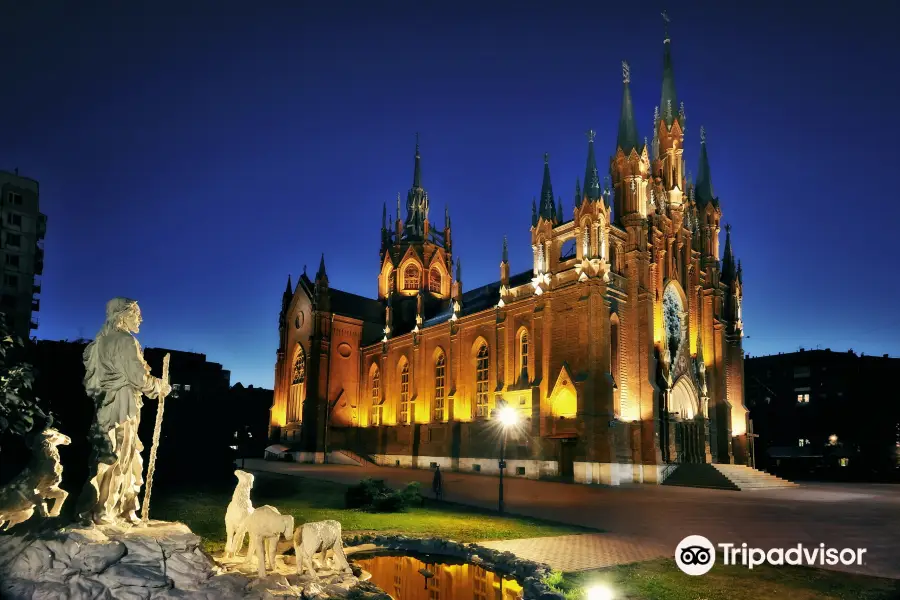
20 410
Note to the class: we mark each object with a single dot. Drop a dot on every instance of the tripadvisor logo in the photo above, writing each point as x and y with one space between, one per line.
696 555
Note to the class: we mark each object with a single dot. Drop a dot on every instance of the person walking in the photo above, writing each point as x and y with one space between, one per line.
437 484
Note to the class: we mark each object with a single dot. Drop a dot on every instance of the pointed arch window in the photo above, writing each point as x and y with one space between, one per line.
482 363
297 392
614 362
540 257
375 394
411 277
586 241
404 394
523 355
435 280
440 379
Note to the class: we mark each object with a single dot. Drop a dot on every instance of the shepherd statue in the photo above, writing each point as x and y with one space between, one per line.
116 378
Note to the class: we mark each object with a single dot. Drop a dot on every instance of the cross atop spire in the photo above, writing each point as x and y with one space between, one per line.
702 134
626 72
591 134
665 18
505 250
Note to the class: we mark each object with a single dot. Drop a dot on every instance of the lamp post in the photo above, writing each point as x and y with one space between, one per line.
508 417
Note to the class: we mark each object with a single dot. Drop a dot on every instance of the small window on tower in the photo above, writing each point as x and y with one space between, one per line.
411 278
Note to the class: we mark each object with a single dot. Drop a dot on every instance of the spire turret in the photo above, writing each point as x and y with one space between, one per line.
384 217
577 191
628 133
534 212
559 210
416 202
547 207
321 274
703 189
668 104
505 251
729 269
591 175
459 271
289 290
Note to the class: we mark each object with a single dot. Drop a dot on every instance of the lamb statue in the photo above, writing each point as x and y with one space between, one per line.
39 481
265 524
319 536
239 509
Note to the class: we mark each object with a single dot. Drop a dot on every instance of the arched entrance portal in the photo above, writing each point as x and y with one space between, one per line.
689 423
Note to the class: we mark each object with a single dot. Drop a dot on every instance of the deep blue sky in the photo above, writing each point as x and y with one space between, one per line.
192 158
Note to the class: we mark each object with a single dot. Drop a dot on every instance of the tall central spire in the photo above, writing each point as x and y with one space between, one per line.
669 108
591 175
417 174
548 208
416 202
628 134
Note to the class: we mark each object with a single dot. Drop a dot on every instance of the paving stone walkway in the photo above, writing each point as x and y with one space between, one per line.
581 552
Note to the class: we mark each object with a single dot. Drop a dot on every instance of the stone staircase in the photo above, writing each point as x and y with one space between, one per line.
724 477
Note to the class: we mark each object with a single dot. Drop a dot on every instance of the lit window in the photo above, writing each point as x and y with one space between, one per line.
440 367
296 394
187 387
404 394
434 281
376 398
844 462
411 278
523 354
803 398
481 382
803 442
586 242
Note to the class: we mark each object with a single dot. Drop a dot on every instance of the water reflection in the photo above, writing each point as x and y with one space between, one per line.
399 576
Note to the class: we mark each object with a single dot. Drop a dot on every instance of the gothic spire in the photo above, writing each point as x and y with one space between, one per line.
728 266
458 270
668 104
703 188
289 290
321 275
591 175
417 173
534 212
384 217
577 191
740 273
505 250
547 208
559 210
628 133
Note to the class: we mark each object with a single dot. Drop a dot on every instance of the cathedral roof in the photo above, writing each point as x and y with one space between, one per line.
480 299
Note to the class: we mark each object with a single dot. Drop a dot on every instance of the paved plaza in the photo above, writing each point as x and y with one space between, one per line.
645 520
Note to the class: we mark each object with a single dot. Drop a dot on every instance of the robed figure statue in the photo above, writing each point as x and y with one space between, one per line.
116 377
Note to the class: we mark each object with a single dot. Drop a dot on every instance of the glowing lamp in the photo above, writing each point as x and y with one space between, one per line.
508 416
832 439
599 592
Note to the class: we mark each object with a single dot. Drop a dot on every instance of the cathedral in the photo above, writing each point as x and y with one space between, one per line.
619 348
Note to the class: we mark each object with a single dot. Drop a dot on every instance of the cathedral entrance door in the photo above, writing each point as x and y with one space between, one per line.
684 407
567 458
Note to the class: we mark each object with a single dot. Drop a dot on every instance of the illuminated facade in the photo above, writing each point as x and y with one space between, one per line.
620 345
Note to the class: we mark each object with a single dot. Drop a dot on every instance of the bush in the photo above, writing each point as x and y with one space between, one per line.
373 495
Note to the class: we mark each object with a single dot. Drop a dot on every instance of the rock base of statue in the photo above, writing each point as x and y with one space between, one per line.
161 560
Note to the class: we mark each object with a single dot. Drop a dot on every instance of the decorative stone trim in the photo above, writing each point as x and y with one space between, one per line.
529 574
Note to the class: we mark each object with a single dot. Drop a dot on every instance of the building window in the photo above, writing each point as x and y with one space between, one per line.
434 281
803 398
298 387
15 198
187 387
7 301
411 278
803 442
440 369
614 361
13 239
844 462
800 372
404 394
14 219
11 280
523 355
376 398
482 362
12 260
586 242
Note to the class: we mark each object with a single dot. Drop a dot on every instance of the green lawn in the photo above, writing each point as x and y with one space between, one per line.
661 579
314 500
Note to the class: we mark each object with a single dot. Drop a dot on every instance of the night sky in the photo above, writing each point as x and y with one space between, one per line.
193 158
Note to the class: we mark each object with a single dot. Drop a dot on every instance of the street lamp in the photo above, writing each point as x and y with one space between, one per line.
508 417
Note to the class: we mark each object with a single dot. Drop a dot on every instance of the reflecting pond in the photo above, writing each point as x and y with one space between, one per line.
403 578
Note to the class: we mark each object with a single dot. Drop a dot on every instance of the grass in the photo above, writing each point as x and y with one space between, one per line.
313 500
661 579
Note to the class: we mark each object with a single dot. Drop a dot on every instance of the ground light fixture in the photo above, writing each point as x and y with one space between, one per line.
508 417
600 592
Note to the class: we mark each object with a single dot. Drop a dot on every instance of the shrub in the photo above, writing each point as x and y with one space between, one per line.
373 495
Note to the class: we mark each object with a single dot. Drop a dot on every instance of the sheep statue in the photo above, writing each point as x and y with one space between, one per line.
38 482
265 524
319 536
239 509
